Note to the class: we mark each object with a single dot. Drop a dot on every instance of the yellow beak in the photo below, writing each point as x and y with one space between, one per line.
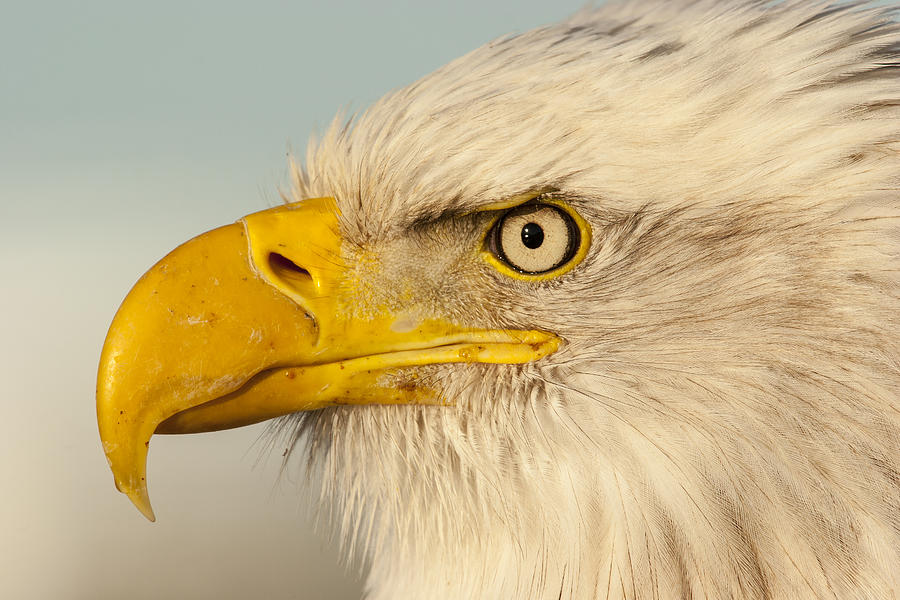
255 320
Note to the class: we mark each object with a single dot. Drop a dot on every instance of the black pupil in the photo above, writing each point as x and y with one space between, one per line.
532 235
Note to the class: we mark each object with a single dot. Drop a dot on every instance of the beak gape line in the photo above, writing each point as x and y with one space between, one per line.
240 325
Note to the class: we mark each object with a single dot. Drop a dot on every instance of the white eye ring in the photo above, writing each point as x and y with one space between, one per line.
535 238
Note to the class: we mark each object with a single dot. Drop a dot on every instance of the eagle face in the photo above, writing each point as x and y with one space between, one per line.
619 295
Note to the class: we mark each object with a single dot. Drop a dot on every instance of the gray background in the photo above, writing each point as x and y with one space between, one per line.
125 129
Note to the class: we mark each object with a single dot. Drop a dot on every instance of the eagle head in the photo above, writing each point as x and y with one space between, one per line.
608 309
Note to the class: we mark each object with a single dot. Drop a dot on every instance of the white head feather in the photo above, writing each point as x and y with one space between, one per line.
724 419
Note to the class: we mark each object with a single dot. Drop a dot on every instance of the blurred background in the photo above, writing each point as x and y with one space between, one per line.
125 129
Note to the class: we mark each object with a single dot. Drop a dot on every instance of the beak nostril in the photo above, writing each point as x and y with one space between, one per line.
292 280
285 268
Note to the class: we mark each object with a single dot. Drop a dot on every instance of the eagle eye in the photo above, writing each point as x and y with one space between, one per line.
536 240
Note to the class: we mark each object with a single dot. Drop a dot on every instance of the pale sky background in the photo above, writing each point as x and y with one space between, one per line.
125 129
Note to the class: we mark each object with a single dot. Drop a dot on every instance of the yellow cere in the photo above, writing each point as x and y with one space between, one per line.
244 323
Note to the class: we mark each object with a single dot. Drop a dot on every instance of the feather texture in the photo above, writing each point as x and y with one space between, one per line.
724 420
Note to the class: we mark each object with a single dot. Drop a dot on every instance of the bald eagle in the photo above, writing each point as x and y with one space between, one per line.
608 309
